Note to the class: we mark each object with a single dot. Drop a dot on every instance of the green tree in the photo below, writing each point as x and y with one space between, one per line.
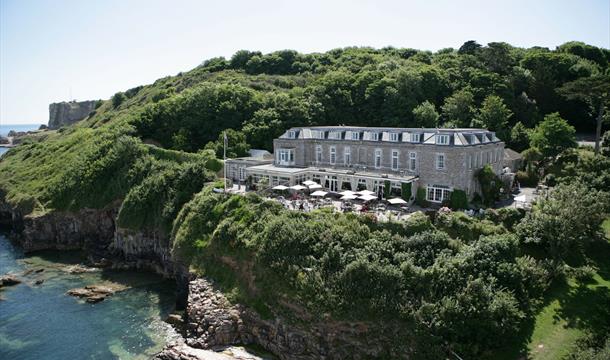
458 109
469 47
117 99
425 115
553 135
236 144
494 116
519 137
595 91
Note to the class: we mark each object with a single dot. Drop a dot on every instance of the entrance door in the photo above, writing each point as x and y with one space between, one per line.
334 184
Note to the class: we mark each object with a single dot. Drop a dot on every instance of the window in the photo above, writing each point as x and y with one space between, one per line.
414 138
347 156
394 159
440 161
374 136
412 161
242 173
285 156
437 193
377 158
470 161
318 134
355 135
442 139
318 154
393 136
292 134
334 135
333 155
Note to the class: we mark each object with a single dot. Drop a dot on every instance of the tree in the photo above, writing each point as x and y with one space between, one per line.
117 99
593 90
236 144
553 135
606 144
566 221
458 109
519 137
494 116
469 47
425 115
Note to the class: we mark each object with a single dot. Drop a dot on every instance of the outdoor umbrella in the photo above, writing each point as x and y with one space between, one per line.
349 197
367 197
396 201
319 193
315 186
365 192
298 187
309 183
347 192
280 187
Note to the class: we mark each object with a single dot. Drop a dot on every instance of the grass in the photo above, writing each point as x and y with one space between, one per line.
571 310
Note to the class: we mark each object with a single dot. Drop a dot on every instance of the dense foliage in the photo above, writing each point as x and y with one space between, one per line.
473 292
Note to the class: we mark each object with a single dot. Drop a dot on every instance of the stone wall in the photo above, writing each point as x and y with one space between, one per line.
67 113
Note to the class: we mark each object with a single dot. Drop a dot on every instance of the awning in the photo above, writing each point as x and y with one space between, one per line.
309 183
396 201
280 187
298 187
315 186
367 197
319 193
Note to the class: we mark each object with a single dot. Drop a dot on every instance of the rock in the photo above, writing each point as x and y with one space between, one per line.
43 127
38 282
67 113
4 140
175 319
9 280
96 293
38 270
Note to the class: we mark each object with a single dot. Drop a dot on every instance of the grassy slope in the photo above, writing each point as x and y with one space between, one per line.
570 310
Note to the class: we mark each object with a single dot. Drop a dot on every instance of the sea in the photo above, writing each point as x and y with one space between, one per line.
5 128
43 322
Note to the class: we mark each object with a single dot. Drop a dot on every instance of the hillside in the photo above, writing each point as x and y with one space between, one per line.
472 286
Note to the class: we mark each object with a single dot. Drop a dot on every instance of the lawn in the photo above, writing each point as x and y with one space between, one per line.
571 309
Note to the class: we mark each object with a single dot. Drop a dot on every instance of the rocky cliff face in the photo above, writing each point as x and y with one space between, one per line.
213 322
67 113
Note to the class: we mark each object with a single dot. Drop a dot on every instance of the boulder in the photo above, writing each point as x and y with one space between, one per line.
9 280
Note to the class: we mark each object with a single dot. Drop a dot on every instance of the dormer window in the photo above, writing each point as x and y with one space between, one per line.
292 134
442 139
375 136
414 138
355 135
318 134
334 135
393 136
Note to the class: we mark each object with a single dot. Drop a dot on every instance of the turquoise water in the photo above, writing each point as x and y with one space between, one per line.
42 322
5 128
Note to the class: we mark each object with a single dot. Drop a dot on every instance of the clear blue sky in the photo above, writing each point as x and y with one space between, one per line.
56 50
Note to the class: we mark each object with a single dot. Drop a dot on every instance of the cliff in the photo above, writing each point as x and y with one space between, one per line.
67 113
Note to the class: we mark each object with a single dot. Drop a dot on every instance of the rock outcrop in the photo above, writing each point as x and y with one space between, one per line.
67 113
212 322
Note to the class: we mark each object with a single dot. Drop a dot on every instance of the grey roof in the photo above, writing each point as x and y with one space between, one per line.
456 137
510 154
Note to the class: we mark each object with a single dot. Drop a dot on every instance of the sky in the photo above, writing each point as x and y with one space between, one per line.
60 50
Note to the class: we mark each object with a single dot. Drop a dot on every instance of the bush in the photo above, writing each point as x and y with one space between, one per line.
528 179
490 185
458 200
387 189
406 191
117 99
421 197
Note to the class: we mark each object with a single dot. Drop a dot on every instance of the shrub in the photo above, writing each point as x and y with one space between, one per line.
117 99
387 189
528 179
458 200
421 197
406 191
490 185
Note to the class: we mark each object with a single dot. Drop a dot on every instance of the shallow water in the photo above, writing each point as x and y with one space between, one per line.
42 322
